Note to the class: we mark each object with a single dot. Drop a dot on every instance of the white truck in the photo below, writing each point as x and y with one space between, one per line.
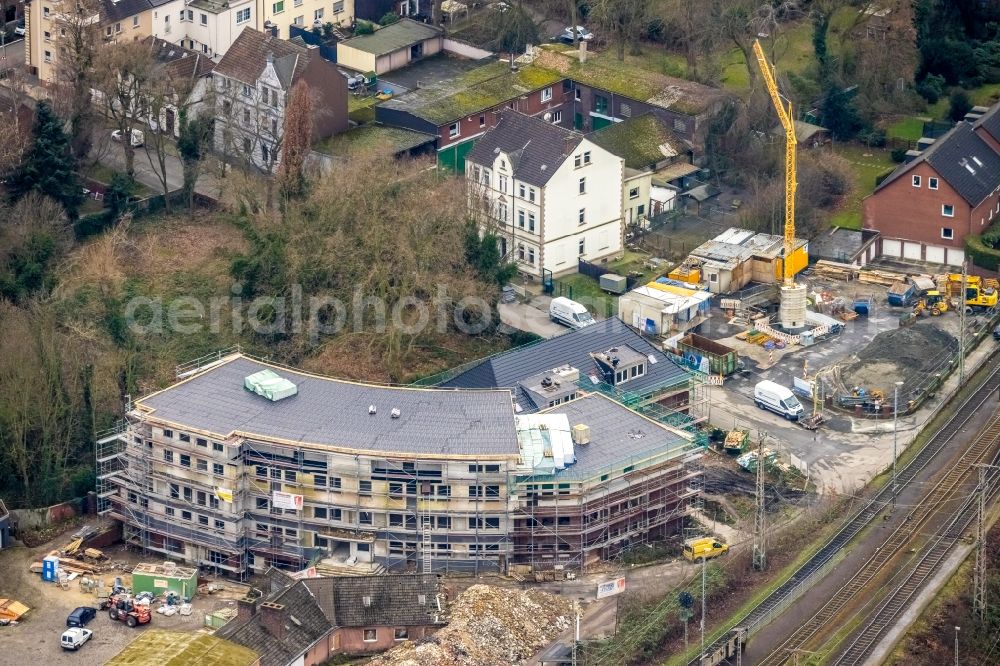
778 399
569 313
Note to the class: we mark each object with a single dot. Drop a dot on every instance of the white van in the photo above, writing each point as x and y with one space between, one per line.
569 313
778 399
73 638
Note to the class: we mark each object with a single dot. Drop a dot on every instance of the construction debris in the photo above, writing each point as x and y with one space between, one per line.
11 610
489 626
911 355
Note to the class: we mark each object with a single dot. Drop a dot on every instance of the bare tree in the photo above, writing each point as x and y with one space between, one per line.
15 129
79 26
123 86
297 140
625 20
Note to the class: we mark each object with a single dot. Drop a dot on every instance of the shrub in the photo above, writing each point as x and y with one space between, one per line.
931 87
364 28
388 18
328 30
959 104
981 255
873 136
898 155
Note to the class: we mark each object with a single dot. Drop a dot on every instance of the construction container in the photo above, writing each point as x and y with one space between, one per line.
50 568
901 294
695 349
160 578
616 284
686 272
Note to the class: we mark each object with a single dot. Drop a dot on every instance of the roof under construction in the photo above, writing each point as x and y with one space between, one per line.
333 413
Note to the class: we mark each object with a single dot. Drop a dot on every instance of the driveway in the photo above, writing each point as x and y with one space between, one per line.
112 154
532 317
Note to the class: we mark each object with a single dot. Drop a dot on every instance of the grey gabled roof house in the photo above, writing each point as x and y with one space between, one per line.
536 148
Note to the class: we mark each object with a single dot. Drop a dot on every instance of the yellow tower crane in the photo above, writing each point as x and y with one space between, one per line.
788 123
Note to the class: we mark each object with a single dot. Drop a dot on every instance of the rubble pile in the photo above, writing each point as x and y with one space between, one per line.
909 355
488 626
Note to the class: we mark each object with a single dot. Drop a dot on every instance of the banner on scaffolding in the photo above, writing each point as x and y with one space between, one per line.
224 494
305 573
280 500
611 588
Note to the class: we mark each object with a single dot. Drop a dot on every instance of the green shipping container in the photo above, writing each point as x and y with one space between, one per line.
721 359
158 578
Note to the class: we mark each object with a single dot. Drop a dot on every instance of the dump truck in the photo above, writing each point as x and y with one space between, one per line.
704 549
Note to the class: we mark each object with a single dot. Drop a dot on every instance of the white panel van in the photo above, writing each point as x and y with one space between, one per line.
569 313
778 399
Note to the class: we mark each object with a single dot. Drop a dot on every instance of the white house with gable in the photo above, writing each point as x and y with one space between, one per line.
551 196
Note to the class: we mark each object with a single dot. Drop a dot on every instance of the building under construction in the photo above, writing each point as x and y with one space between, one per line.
242 465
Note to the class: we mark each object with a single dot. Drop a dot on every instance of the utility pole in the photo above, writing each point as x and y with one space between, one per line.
980 605
957 629
895 429
704 560
576 638
759 545
961 335
739 645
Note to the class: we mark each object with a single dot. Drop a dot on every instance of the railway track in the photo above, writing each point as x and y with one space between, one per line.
888 612
797 584
893 547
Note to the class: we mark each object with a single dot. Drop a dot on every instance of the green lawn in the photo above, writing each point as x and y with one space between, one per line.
867 164
909 128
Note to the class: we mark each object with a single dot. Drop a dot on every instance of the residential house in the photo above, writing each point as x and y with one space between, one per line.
189 76
661 382
306 622
253 83
210 26
153 647
277 16
926 208
581 92
657 164
551 195
392 47
49 22
606 91
462 109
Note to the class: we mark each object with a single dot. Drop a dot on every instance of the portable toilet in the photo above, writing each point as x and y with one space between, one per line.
50 568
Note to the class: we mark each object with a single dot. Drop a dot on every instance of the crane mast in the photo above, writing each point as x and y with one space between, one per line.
788 123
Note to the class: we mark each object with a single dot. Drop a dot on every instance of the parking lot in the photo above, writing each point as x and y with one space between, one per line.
36 638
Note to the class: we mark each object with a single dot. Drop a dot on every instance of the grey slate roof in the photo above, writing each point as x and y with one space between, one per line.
394 600
990 122
246 58
330 412
536 148
112 12
574 348
619 437
400 35
310 626
963 159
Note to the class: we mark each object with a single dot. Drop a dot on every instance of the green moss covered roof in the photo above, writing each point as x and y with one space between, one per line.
368 137
641 141
477 90
603 70
157 647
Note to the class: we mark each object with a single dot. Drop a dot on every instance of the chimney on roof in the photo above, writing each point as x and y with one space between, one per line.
273 619
246 608
569 144
270 57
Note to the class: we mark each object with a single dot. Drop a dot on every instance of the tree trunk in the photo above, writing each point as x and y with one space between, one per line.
572 21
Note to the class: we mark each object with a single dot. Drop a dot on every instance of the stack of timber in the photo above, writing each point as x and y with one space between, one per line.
68 565
835 271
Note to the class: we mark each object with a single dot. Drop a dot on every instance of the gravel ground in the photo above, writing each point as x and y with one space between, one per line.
36 638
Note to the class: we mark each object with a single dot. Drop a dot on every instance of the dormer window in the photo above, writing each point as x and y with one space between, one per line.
503 164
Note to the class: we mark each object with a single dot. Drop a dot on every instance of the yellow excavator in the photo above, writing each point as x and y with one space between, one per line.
980 294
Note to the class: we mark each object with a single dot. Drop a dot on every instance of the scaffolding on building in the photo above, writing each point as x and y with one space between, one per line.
567 521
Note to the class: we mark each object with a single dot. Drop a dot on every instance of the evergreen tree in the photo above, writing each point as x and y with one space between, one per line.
49 166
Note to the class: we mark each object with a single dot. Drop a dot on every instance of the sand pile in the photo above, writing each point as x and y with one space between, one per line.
909 355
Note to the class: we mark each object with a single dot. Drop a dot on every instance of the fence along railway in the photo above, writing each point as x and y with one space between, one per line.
812 570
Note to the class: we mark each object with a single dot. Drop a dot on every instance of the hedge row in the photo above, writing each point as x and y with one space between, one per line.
980 254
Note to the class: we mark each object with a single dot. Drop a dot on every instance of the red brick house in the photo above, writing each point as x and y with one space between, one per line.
926 208
306 622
